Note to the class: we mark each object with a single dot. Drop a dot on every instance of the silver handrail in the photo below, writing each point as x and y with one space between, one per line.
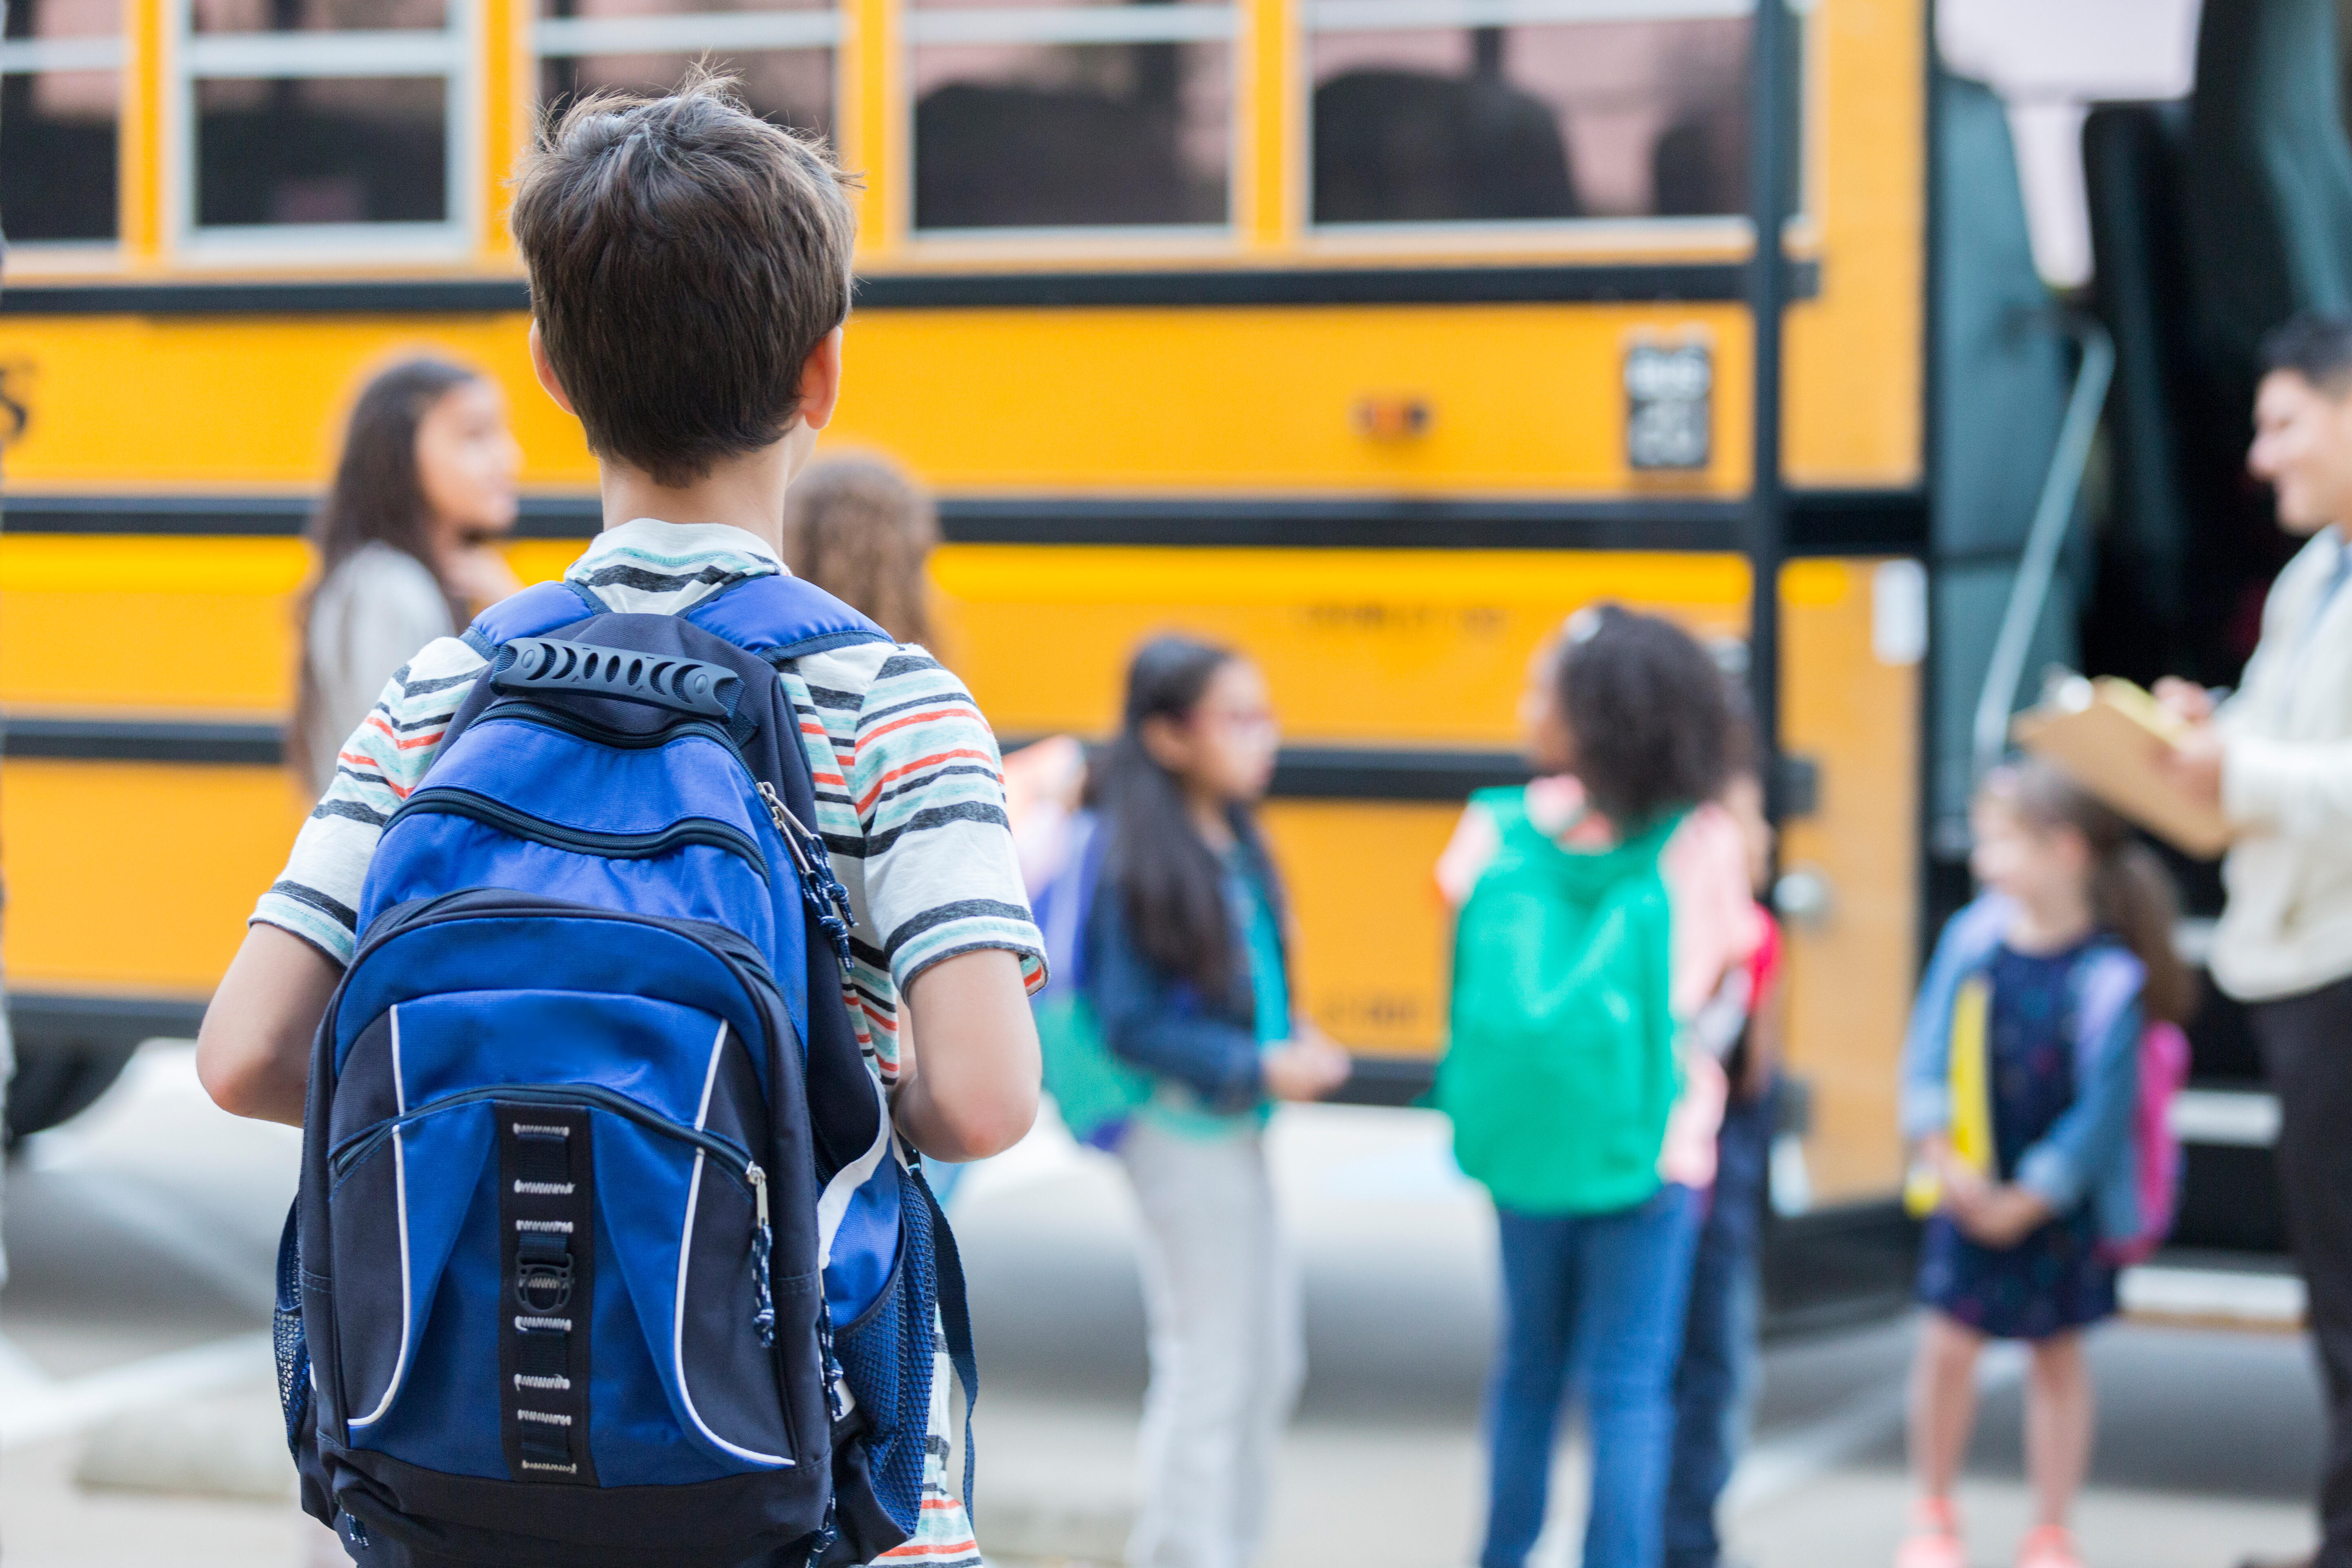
2053 516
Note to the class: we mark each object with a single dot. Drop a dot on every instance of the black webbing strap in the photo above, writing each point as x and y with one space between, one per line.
546 1209
955 1318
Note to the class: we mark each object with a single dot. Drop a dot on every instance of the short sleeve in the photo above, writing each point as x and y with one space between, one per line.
941 874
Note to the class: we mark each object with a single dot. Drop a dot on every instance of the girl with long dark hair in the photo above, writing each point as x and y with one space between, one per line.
1188 974
425 481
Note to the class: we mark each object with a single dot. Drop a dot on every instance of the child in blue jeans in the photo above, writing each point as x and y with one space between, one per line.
1563 1070
1715 1382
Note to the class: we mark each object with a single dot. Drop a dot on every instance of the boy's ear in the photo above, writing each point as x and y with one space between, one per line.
544 368
820 387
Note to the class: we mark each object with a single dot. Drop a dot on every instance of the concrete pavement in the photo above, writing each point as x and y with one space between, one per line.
142 1237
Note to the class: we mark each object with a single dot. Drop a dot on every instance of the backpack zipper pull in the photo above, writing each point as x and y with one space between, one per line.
827 899
763 1315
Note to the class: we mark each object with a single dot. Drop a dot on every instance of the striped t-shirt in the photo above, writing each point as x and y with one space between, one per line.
909 793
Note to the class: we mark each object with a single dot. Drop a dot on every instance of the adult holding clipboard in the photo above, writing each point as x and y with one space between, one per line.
2276 759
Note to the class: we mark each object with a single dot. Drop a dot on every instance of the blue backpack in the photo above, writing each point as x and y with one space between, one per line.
606 1255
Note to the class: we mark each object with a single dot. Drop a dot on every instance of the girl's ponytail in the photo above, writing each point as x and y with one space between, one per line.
2131 892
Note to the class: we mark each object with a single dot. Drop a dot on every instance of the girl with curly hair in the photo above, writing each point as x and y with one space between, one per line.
1600 908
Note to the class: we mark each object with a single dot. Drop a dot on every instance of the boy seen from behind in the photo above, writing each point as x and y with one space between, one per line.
691 275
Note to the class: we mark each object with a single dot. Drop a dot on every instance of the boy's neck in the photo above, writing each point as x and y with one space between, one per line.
745 492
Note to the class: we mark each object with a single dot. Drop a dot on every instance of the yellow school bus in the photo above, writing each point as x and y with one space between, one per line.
1373 336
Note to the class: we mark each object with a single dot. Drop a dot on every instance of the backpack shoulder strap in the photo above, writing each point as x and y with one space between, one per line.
782 618
536 611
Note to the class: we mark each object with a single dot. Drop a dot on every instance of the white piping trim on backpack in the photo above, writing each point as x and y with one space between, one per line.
685 1247
400 1195
833 1205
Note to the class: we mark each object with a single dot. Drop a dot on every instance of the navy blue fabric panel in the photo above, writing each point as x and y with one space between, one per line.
533 613
730 1373
582 953
366 1093
430 853
434 1282
448 1407
657 1053
771 614
647 1186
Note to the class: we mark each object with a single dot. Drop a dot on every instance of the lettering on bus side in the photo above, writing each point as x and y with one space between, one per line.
1484 620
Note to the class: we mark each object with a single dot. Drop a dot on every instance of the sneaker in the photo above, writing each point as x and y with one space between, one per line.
1933 1541
2049 1546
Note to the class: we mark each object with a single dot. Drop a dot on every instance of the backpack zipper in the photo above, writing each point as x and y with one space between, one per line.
525 711
449 800
737 1159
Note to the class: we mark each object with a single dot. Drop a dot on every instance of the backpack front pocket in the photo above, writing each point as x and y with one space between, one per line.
559 1283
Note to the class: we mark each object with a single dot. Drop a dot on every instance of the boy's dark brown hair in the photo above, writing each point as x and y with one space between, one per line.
686 259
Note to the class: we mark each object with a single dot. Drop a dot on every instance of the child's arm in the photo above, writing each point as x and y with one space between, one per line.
1925 1099
2064 1165
253 1050
973 1092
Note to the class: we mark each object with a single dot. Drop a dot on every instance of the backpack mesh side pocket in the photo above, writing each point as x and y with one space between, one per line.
292 1346
888 1358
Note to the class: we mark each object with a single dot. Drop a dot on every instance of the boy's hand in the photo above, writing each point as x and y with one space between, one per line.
1305 1069
2001 1215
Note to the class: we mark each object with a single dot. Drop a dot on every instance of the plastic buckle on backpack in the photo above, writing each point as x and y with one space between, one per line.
543 1285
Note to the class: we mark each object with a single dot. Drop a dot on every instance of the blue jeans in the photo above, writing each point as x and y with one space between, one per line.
1605 1291
1717 1376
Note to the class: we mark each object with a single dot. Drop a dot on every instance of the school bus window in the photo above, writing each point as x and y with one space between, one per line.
1445 111
313 116
60 108
782 53
1072 115
315 15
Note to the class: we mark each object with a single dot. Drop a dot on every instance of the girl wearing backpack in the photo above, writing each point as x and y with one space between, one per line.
1596 917
2022 1106
1187 977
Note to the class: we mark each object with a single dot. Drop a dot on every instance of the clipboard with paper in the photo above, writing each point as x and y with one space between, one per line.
2110 736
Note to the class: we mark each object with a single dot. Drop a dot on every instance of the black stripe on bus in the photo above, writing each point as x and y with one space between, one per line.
1822 522
144 741
95 1021
1673 282
1302 772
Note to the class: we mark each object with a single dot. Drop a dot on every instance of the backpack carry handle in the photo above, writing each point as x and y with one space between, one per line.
531 667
